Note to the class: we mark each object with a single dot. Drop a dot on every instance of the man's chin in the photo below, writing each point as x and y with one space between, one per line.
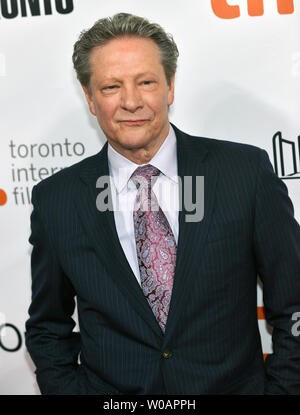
134 137
134 143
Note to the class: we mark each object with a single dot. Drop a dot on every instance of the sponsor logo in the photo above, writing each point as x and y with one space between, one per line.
222 9
34 162
286 155
9 9
10 336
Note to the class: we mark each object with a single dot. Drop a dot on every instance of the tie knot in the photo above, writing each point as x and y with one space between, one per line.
143 175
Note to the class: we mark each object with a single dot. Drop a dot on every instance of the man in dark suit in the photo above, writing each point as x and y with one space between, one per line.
166 303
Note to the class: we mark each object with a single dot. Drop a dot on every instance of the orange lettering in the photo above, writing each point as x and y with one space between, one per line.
255 7
222 9
285 6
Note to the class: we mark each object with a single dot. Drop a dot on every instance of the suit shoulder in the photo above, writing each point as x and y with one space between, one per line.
64 180
218 146
230 157
229 153
221 146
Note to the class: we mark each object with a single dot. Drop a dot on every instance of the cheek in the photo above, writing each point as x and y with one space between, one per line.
105 112
158 103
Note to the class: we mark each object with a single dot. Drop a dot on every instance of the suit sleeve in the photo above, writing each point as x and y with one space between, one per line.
50 341
277 251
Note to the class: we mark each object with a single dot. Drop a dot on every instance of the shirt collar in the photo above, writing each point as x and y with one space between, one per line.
165 160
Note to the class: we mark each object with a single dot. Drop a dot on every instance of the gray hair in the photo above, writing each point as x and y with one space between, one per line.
120 25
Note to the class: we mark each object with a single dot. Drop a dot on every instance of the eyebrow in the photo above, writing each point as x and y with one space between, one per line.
146 74
113 79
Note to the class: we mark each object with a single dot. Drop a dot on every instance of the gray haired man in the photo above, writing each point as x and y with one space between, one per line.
165 305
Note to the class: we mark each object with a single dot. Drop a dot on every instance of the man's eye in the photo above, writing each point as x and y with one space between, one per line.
109 88
147 82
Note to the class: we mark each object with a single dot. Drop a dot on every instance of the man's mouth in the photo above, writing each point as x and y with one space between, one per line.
134 122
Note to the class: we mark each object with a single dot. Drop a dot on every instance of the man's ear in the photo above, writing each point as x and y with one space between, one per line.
171 90
89 99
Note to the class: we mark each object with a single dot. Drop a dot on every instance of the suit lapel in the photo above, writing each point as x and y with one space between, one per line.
193 160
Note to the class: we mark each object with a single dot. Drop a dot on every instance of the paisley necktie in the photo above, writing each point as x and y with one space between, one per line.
155 244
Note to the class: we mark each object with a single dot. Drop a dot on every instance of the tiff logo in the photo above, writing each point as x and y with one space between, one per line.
222 9
286 157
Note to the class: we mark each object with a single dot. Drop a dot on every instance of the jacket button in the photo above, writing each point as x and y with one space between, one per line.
167 353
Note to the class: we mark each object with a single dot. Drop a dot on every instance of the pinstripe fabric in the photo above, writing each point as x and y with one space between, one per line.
212 331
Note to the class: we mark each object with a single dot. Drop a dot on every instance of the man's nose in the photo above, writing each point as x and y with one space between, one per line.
131 99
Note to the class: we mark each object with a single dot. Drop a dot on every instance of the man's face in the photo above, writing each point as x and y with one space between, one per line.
129 93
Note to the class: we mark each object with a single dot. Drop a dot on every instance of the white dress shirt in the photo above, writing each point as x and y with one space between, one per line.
123 189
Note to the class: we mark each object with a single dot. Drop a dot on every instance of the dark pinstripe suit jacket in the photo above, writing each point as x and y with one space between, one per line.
212 337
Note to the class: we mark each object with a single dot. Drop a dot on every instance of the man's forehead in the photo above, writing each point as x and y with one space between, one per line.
118 56
124 44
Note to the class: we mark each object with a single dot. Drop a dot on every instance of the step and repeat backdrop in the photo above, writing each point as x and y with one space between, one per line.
238 79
